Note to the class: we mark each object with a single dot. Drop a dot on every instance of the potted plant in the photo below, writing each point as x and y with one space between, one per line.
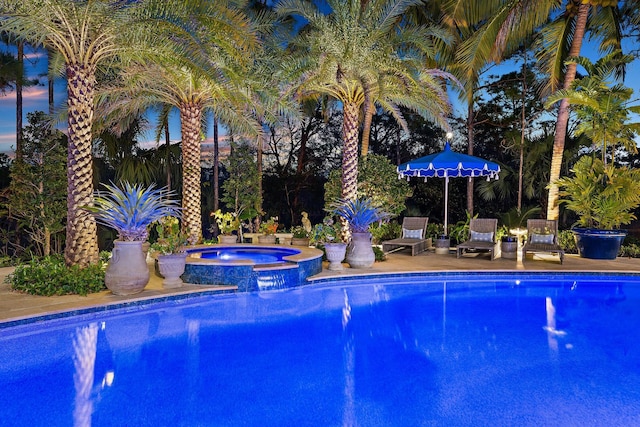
359 214
130 209
604 197
268 228
227 224
170 250
299 236
328 237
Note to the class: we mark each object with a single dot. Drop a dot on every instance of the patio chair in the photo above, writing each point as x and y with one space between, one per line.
414 229
542 236
482 236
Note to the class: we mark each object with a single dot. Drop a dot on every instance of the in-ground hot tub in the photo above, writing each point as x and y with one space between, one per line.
251 267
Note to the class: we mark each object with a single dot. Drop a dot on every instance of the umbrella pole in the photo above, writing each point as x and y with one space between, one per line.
446 205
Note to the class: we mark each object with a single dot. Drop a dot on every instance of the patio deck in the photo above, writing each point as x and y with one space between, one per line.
16 306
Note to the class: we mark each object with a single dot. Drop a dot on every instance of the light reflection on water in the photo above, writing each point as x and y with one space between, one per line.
384 353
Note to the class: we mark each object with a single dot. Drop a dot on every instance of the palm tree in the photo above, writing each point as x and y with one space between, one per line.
507 23
602 110
200 60
351 54
86 34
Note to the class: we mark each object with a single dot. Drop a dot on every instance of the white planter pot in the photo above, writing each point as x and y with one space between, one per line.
360 252
172 267
335 254
127 272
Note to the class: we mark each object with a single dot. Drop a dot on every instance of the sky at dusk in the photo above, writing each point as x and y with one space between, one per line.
35 98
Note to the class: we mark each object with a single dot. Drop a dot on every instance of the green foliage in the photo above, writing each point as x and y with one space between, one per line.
171 239
602 195
131 209
385 231
434 230
459 232
515 218
567 241
377 180
631 250
270 226
38 189
299 232
328 231
380 256
227 222
50 276
359 213
240 191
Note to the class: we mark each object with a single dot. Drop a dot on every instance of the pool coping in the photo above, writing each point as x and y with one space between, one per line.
348 279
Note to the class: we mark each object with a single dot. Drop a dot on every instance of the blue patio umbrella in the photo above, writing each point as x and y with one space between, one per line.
448 164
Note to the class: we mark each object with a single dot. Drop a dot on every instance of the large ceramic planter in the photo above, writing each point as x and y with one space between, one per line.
227 239
598 244
127 272
360 252
267 239
172 267
335 254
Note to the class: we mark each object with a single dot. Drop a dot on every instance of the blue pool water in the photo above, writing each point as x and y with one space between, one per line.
269 255
401 351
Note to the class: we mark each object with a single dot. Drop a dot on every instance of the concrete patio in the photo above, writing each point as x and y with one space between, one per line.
16 306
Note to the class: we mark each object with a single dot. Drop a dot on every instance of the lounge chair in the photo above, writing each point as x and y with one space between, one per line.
482 236
542 236
414 230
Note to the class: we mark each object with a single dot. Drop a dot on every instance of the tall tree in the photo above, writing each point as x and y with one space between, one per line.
199 60
350 53
87 34
37 196
505 24
602 109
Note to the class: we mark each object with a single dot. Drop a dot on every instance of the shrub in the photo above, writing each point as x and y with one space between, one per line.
379 254
385 231
567 242
50 276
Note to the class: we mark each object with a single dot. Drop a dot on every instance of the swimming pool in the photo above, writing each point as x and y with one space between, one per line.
395 351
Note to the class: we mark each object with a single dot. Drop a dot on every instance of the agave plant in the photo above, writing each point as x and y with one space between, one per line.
359 213
131 209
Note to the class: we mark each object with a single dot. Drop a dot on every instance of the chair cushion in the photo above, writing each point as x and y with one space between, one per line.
412 234
481 237
542 238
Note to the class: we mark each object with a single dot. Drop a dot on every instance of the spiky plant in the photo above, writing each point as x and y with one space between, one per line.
131 209
359 213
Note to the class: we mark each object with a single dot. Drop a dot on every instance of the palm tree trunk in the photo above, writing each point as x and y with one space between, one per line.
350 151
259 149
563 114
167 156
50 81
470 138
82 238
190 120
216 166
369 110
19 103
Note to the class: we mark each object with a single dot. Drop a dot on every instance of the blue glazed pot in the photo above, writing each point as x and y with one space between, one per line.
598 244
